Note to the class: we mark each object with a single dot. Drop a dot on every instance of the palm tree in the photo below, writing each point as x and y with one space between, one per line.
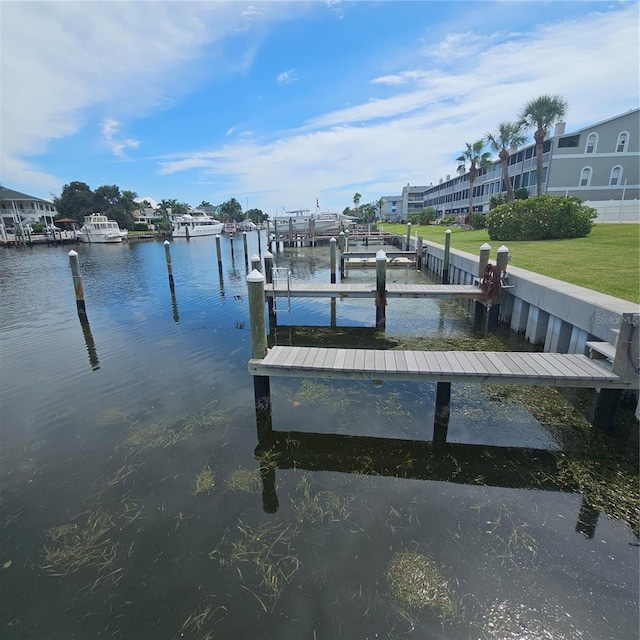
508 136
542 113
380 204
356 202
477 159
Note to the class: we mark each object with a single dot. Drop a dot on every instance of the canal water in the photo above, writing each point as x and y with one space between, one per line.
139 502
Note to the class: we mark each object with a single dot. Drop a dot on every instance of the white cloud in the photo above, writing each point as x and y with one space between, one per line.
286 77
110 130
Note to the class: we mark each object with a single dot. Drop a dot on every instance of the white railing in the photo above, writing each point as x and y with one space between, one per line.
616 211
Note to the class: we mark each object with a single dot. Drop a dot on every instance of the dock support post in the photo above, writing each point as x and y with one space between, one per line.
442 413
419 254
233 255
332 259
261 387
256 263
259 241
167 254
483 261
77 285
268 276
502 258
445 262
291 243
276 231
346 240
341 241
381 289
408 238
245 250
219 254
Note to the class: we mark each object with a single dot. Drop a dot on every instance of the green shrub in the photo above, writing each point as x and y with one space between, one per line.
141 226
540 218
478 221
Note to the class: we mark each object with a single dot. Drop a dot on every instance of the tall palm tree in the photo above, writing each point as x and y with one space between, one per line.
542 113
508 136
356 202
477 159
380 204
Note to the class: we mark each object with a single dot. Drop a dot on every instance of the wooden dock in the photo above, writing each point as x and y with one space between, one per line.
393 290
524 368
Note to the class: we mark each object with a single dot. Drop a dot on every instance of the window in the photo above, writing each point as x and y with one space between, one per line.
585 177
623 141
616 176
567 141
592 143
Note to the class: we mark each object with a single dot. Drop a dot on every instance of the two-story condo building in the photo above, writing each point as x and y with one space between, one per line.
599 163
19 209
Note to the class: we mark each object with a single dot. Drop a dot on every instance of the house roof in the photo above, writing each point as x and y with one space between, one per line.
10 194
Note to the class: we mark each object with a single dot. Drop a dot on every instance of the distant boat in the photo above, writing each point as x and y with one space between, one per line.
99 229
322 222
188 226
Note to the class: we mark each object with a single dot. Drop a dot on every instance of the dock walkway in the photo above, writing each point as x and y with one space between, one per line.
393 290
524 368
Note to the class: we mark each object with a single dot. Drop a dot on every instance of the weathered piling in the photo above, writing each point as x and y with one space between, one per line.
407 243
77 285
419 253
502 258
261 387
219 254
332 259
256 263
167 254
245 250
259 241
381 289
233 255
341 241
291 243
485 251
445 261
268 267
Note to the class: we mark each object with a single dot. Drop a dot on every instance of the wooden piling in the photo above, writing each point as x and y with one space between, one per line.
502 258
483 261
332 259
259 241
408 238
381 289
219 254
341 241
232 250
167 253
77 285
245 250
261 386
256 263
268 267
419 253
291 243
445 262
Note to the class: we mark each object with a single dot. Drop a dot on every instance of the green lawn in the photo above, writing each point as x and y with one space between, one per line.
607 260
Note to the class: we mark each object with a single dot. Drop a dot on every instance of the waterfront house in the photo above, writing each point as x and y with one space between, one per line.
19 209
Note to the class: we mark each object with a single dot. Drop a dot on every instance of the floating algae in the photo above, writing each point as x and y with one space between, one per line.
161 433
247 480
73 546
205 480
267 550
509 621
113 415
416 582
316 506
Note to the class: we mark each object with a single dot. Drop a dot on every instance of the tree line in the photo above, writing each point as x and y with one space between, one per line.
77 201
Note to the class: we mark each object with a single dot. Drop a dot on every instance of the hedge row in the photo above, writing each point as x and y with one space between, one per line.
541 218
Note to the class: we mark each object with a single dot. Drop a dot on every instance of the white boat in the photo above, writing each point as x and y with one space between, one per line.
322 222
188 226
98 228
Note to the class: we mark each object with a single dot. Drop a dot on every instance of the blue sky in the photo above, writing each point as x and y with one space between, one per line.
279 103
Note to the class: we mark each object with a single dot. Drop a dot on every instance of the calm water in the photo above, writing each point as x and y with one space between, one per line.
133 505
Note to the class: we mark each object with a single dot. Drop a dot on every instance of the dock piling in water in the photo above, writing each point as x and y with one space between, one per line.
381 289
77 285
332 259
445 262
167 253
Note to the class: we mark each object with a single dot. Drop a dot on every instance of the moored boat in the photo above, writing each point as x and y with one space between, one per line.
188 226
301 222
98 228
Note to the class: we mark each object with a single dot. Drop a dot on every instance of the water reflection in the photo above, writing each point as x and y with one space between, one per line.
91 347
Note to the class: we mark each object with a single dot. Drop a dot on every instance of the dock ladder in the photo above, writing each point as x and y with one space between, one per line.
278 275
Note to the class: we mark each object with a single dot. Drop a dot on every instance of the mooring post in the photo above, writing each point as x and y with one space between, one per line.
312 232
291 244
232 251
255 286
268 277
502 258
346 240
276 232
341 241
77 285
381 289
445 261
245 250
219 254
332 259
256 263
167 254
483 261
259 241
419 253
408 238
